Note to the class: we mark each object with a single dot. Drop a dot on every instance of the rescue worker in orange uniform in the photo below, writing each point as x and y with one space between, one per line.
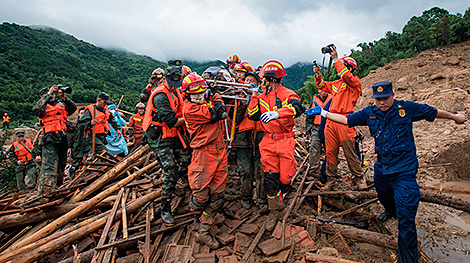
135 124
246 140
185 71
53 113
209 167
6 121
232 60
345 92
156 78
312 125
241 69
276 108
25 168
167 136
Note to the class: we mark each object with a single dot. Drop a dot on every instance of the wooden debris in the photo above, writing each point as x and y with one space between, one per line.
323 258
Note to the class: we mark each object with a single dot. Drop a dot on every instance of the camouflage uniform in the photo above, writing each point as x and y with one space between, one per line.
248 160
172 157
26 173
54 145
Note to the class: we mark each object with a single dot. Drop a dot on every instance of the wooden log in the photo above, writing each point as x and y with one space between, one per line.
445 200
14 253
19 219
61 221
361 235
446 190
31 256
324 258
356 207
109 175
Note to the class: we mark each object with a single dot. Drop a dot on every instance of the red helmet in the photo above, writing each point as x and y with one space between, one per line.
349 61
244 66
273 69
186 70
233 59
158 72
140 105
193 84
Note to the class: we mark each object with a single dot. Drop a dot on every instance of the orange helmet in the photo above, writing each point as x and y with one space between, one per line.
193 84
233 59
186 70
244 66
158 72
349 61
273 69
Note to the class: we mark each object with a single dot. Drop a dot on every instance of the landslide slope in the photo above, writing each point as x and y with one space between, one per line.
441 78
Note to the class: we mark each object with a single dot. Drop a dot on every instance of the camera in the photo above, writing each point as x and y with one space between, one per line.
327 49
67 90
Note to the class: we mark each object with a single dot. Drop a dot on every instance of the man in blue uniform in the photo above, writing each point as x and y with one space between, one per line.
390 123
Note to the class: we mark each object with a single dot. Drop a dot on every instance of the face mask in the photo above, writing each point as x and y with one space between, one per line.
197 98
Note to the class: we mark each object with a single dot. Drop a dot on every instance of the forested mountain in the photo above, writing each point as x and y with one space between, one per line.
31 59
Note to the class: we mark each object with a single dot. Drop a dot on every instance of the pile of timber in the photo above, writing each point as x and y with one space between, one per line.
110 213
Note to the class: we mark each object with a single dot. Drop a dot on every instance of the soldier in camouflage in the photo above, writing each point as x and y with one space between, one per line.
53 140
167 136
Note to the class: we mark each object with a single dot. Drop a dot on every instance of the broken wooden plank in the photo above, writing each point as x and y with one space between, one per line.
147 237
125 234
254 243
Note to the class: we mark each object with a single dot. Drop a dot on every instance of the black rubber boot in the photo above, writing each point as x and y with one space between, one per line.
166 212
385 216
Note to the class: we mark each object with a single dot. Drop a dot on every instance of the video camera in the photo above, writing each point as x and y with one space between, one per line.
64 89
327 49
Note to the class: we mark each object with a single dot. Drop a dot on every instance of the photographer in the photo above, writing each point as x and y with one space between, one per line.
345 92
53 113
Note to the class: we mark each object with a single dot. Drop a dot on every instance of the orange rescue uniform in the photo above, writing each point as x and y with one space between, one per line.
278 144
22 154
209 167
345 92
135 123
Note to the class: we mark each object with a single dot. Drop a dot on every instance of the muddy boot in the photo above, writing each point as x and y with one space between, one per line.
275 206
330 185
166 212
204 237
361 183
246 204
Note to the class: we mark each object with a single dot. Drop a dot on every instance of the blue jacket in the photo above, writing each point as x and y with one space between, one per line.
393 133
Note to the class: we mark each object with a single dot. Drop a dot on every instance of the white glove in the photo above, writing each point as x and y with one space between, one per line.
269 116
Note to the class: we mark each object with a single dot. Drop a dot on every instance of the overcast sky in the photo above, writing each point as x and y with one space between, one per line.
257 31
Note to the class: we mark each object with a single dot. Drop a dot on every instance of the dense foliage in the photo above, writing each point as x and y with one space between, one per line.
31 59
434 28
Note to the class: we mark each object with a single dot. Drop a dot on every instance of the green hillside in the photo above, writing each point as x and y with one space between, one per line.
31 59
